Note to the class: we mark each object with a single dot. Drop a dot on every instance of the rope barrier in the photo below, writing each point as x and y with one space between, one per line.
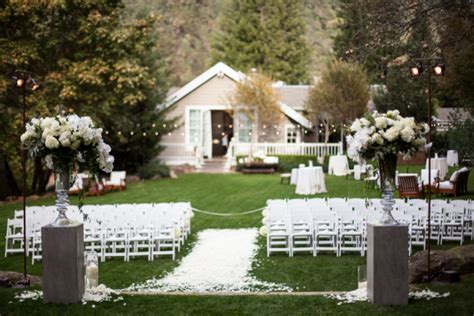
227 214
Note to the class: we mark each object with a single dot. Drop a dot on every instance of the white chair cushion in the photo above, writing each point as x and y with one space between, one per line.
454 176
463 169
446 185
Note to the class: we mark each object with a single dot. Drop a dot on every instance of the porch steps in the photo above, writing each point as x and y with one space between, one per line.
214 165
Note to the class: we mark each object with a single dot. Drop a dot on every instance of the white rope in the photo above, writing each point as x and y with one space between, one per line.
227 214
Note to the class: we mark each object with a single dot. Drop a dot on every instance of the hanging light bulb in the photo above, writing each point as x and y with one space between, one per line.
144 134
156 133
131 133
119 132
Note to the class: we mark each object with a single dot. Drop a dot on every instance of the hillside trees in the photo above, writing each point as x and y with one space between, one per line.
89 61
264 34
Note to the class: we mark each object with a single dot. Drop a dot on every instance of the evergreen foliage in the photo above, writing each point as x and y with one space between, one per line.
265 34
89 61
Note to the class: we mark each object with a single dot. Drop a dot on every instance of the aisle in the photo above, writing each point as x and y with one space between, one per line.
220 261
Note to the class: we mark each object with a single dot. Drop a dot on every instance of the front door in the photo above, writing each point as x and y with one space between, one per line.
222 131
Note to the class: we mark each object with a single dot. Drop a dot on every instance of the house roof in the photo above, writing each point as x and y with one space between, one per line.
221 69
294 96
444 114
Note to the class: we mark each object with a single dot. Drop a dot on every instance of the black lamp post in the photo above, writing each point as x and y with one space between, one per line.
23 80
438 68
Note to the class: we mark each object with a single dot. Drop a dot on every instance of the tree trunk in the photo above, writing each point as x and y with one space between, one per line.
40 177
9 186
326 137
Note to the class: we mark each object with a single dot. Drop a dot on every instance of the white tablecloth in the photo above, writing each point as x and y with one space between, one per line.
294 176
441 164
359 170
338 165
310 180
452 158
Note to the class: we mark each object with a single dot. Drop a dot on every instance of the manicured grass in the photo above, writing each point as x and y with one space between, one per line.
231 193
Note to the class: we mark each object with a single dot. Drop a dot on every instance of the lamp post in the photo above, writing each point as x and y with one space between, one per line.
416 70
23 80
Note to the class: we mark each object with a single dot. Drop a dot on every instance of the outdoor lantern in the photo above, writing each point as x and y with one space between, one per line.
19 82
416 70
439 69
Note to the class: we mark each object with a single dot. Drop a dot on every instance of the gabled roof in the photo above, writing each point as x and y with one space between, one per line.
221 69
293 95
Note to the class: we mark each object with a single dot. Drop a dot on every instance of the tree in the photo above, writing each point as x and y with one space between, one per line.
265 34
255 97
382 34
341 95
90 61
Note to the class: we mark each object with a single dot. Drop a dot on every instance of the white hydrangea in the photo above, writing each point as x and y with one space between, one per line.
407 134
377 139
356 126
392 133
381 122
51 142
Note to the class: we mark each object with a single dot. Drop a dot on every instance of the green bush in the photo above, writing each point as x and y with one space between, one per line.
287 162
153 169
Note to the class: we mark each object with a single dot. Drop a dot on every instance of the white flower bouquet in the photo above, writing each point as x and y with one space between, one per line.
378 135
67 141
382 137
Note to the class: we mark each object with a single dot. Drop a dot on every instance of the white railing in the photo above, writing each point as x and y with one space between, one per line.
269 149
179 154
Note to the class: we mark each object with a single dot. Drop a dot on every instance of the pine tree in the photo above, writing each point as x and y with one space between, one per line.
264 34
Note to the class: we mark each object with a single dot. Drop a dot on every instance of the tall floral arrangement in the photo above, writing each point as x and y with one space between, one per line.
68 141
380 134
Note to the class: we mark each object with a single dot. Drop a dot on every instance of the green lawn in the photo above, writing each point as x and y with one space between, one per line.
232 193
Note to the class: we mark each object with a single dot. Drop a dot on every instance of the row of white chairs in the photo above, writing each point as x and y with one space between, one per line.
340 225
121 230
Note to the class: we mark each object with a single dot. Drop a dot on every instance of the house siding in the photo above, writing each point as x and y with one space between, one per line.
213 92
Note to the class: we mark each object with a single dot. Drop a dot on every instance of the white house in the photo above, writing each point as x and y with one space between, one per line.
205 125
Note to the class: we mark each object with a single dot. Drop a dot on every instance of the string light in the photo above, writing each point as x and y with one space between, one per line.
263 133
119 132
131 133
169 134
230 125
106 132
264 126
175 126
144 134
218 125
274 126
153 125
222 134
156 133
164 125
278 133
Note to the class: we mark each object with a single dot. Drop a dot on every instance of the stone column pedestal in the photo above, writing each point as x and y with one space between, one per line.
63 263
387 264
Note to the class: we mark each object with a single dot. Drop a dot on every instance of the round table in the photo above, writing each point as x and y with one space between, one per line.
294 176
441 164
310 180
338 165
452 158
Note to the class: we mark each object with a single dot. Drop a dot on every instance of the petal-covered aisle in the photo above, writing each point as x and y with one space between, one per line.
221 261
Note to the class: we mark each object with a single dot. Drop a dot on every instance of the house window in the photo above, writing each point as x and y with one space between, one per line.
245 129
195 127
291 135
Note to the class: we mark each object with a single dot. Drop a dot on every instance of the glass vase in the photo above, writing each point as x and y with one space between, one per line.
388 168
63 183
92 270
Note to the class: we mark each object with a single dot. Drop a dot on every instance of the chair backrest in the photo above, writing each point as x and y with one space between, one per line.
408 186
424 176
118 175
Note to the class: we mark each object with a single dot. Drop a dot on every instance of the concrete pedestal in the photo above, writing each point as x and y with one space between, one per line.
63 263
387 264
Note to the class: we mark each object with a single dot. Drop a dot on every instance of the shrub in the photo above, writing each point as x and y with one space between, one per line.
153 169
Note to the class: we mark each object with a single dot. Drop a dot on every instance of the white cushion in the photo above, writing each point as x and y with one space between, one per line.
270 160
446 185
463 169
454 176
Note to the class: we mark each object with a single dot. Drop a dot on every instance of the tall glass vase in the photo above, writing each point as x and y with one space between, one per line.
63 183
388 168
